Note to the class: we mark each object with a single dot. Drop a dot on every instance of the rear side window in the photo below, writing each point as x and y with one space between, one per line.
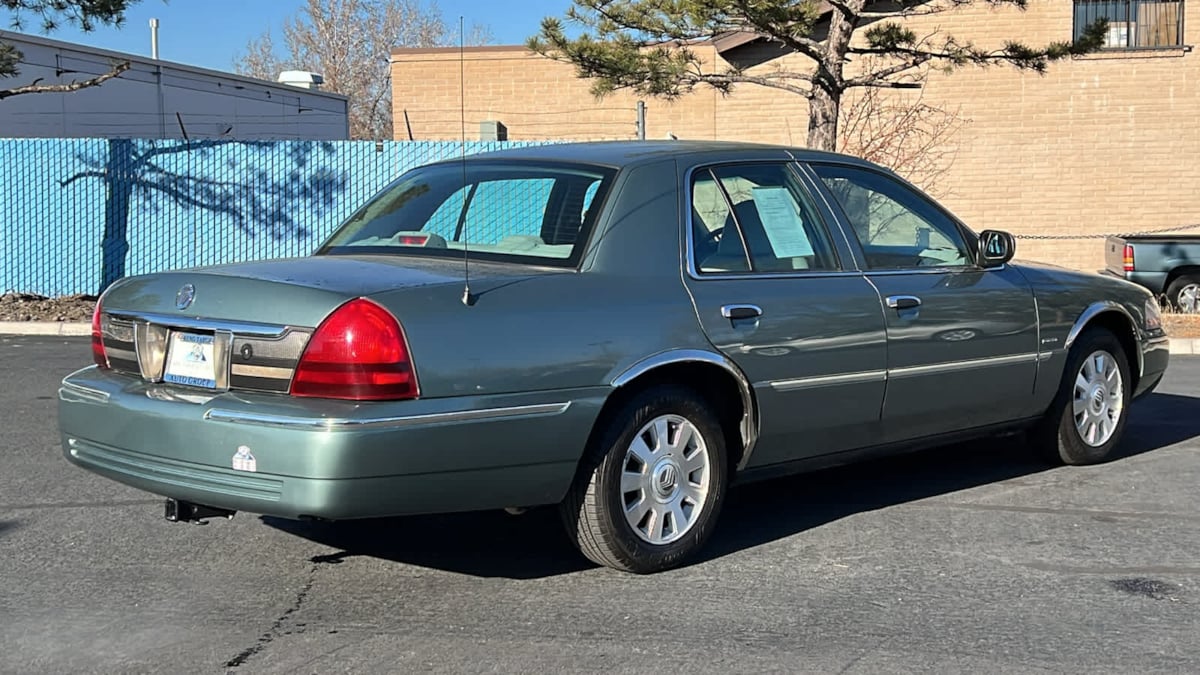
756 218
521 211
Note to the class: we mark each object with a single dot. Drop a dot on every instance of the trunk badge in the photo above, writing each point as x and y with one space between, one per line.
185 296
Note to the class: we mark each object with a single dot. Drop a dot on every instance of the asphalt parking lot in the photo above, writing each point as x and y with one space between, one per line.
968 558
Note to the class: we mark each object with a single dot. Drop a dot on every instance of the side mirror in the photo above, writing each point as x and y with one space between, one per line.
995 248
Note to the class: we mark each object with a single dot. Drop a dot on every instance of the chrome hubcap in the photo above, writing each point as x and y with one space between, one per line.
665 479
1099 398
1189 299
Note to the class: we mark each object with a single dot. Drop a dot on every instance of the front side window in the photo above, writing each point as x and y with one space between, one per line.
896 227
1133 24
519 211
756 218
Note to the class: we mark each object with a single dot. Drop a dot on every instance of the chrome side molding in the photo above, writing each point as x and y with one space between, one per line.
350 424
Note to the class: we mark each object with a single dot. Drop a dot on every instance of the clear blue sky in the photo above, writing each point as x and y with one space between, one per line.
208 33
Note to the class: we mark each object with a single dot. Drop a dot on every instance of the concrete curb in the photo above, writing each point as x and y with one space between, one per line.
66 328
1185 345
45 328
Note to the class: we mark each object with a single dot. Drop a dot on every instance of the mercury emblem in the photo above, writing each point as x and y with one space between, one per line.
185 296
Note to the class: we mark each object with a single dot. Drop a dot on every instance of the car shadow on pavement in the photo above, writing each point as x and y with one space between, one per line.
494 544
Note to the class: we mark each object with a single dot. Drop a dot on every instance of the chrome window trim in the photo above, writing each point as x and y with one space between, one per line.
818 381
818 188
750 421
967 364
935 270
791 164
239 328
403 421
721 276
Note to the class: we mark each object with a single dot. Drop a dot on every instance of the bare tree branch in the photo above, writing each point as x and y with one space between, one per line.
350 43
909 135
76 85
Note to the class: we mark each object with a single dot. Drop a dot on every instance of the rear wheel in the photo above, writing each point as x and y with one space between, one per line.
1087 418
649 491
1184 294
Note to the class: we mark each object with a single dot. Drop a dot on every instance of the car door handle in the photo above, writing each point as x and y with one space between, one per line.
741 312
903 301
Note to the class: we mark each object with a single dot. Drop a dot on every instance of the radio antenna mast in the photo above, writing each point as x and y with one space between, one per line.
467 298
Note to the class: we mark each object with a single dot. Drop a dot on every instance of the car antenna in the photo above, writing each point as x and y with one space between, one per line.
467 298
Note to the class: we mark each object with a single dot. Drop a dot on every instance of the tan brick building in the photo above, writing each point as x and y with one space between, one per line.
1105 143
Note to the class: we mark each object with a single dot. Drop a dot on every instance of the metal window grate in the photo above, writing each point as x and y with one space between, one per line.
1133 24
76 214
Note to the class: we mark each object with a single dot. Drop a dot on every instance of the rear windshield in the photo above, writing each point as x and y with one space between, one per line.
521 212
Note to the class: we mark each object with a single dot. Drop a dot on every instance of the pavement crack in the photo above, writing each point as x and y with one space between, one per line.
277 627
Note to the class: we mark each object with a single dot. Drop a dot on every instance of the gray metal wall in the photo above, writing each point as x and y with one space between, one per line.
149 100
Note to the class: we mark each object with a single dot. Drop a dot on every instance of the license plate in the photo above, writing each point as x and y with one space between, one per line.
191 360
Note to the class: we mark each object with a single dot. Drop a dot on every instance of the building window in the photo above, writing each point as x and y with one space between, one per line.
1134 24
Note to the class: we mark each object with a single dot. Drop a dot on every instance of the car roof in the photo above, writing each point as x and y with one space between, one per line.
623 154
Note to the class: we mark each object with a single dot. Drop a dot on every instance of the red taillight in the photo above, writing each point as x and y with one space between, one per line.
98 353
1127 258
413 239
359 353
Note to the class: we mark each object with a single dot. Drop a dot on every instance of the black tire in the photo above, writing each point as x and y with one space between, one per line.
1185 303
594 509
1057 438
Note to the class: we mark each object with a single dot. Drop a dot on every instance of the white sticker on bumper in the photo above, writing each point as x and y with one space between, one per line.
243 460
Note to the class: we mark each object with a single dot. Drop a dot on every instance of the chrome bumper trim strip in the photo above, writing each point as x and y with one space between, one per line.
269 372
342 424
69 391
239 328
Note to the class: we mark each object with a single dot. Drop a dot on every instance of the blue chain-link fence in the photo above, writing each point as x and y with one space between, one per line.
76 214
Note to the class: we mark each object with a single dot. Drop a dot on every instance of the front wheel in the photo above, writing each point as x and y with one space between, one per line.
1087 418
649 490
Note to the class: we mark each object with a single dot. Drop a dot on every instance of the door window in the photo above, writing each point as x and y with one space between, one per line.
897 227
756 218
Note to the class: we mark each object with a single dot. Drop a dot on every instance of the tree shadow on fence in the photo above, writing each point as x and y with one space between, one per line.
252 187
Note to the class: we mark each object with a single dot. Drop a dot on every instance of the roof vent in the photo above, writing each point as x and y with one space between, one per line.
302 78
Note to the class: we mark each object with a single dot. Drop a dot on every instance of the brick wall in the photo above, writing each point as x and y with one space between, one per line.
1105 143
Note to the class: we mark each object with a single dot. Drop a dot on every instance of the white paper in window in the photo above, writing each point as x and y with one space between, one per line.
782 222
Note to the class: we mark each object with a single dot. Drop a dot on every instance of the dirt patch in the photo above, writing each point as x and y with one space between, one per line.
1182 325
29 307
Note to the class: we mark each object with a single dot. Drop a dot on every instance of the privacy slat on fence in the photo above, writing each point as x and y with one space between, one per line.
78 213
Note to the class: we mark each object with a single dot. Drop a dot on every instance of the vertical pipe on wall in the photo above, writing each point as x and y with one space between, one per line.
641 120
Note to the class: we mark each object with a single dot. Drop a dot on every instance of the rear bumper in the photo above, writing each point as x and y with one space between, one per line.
1155 282
326 459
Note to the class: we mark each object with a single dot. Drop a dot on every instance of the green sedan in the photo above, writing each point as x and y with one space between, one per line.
619 329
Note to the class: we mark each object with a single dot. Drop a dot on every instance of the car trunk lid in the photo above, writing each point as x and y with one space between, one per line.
255 316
